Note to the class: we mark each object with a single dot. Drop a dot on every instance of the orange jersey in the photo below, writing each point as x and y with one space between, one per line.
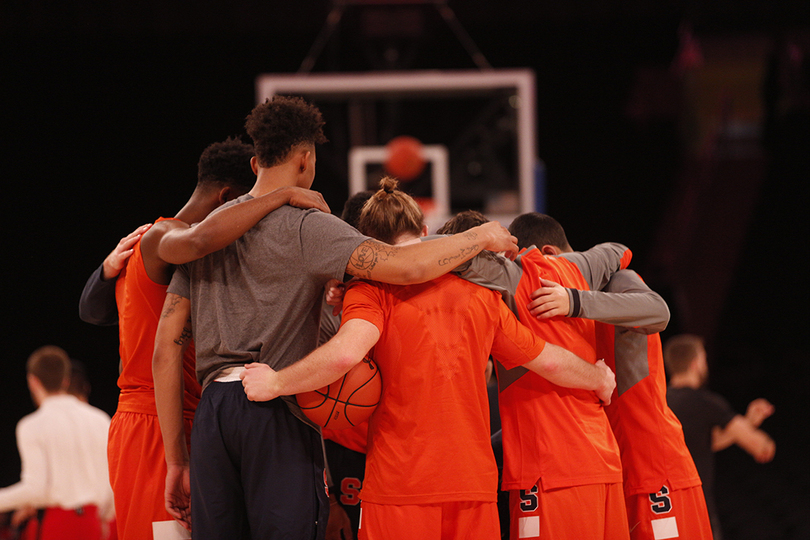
429 439
560 436
140 302
650 437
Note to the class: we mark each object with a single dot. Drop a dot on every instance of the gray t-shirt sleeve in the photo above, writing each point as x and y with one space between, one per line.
179 284
327 243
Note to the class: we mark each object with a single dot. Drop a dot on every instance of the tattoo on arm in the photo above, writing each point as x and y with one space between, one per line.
453 259
185 335
367 256
168 311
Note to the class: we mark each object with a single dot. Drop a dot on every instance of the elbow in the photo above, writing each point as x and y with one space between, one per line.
411 273
345 362
193 248
549 366
664 316
413 276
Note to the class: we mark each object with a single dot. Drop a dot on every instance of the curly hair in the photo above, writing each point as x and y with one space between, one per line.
463 221
281 123
390 213
227 162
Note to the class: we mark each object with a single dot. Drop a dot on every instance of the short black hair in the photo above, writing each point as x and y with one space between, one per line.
227 163
463 221
281 123
354 206
536 229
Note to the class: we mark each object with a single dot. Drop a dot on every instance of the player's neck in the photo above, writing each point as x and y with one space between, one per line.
684 380
270 179
198 206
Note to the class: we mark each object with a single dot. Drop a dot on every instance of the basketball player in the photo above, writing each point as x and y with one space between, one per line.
430 470
136 461
543 424
257 469
661 485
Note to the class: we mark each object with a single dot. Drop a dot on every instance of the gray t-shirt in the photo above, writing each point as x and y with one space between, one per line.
259 299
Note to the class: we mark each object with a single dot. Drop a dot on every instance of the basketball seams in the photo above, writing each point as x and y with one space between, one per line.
329 407
332 410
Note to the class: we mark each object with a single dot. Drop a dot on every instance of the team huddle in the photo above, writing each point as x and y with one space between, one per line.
220 325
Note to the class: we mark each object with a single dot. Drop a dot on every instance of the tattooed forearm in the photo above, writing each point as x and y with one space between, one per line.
455 258
171 303
367 256
185 335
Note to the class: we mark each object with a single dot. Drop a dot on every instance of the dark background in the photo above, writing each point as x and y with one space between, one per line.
107 107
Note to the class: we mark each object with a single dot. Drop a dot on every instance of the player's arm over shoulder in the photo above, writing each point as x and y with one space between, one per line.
626 301
599 263
423 261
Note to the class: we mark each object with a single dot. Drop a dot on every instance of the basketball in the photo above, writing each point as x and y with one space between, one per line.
347 402
405 160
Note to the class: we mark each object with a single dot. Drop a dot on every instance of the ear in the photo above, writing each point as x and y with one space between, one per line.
424 230
254 164
33 382
226 194
548 249
303 161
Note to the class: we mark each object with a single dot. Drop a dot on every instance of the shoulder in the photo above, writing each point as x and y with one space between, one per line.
28 422
315 217
361 285
152 237
161 226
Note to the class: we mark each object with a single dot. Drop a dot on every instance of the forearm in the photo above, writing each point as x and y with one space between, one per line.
564 368
219 229
329 362
646 311
414 263
754 441
97 303
19 495
171 340
722 438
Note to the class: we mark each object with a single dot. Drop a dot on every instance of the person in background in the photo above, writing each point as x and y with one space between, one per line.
709 422
63 449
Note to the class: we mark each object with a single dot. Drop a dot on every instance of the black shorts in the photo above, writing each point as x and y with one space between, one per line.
256 470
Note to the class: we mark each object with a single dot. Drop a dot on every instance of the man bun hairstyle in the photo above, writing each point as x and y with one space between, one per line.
280 124
390 213
227 163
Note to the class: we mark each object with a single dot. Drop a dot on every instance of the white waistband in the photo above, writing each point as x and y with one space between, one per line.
230 374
